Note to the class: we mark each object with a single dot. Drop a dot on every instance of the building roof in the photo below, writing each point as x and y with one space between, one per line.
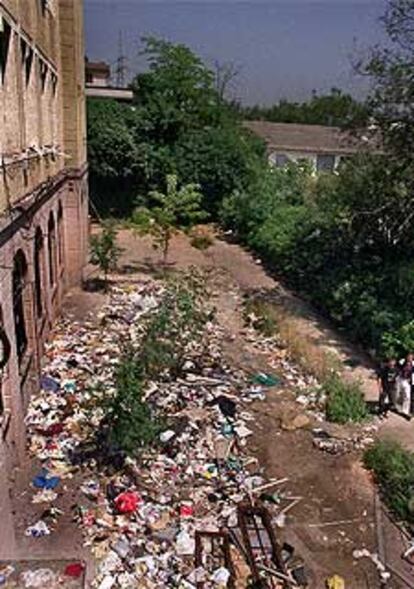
98 66
308 138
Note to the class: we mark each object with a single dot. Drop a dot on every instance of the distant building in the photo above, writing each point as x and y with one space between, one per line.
98 83
323 147
97 74
43 203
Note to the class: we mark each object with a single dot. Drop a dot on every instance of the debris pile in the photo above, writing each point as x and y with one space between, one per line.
39 575
193 510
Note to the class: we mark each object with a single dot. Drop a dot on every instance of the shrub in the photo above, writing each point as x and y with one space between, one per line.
200 239
393 468
132 425
104 250
345 401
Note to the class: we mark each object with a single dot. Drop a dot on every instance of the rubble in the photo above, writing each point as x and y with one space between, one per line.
142 516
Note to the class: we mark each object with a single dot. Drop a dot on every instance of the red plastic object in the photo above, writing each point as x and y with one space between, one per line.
127 502
74 570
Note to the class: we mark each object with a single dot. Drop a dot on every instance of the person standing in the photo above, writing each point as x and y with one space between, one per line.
387 385
404 384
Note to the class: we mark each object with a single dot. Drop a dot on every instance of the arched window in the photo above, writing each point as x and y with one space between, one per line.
38 275
51 242
19 283
61 237
4 357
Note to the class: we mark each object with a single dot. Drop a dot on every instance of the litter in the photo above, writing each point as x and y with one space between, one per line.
127 502
44 481
335 582
382 570
38 530
75 570
39 579
267 380
152 520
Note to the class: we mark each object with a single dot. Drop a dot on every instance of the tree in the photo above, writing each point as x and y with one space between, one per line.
116 158
391 102
104 250
334 109
179 123
177 208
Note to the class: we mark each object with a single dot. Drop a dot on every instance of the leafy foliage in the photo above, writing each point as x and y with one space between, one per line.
178 124
104 250
132 425
170 332
345 401
176 208
336 109
393 468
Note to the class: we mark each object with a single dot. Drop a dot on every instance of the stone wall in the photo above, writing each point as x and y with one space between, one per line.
43 204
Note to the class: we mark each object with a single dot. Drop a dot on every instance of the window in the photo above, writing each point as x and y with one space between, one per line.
38 266
281 160
325 163
4 356
19 284
61 243
5 32
27 59
43 74
52 249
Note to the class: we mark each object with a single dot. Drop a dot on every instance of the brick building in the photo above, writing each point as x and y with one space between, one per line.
43 202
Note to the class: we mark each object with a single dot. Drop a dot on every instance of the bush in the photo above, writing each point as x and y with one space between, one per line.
393 468
345 401
132 425
170 331
200 239
104 250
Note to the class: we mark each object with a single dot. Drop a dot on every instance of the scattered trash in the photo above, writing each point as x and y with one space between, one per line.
44 481
38 530
151 520
335 582
74 570
382 570
39 579
127 502
267 380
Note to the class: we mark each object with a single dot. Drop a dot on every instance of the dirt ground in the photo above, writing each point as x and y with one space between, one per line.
336 513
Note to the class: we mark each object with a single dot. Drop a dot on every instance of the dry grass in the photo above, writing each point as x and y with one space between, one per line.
310 356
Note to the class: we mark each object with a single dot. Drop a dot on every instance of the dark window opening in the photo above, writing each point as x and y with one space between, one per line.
5 33
43 74
60 234
19 284
54 80
325 163
281 160
4 357
27 60
52 249
38 265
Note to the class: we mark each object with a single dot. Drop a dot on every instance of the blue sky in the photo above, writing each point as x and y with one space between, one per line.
283 48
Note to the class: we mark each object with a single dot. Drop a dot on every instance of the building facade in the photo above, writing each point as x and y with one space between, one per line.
43 202
97 73
321 147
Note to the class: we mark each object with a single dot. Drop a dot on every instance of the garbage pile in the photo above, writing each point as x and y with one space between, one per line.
193 511
42 575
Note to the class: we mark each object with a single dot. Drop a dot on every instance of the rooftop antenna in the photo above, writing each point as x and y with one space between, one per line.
121 64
